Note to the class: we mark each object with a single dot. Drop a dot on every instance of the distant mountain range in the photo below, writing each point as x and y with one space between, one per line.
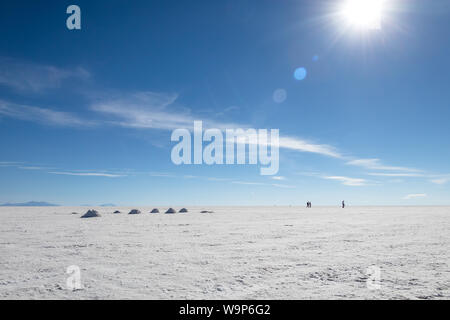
46 204
29 204
100 205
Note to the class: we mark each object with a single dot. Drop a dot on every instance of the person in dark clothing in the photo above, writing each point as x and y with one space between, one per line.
343 204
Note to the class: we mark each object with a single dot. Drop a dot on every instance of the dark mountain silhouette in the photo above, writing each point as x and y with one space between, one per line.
29 204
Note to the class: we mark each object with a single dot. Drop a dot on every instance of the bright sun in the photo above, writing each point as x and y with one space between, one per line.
363 14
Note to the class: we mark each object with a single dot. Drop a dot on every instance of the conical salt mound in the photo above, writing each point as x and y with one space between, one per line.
117 211
91 214
170 210
154 211
184 210
134 211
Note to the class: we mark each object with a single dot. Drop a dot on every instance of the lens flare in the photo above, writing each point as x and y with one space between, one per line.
279 95
300 73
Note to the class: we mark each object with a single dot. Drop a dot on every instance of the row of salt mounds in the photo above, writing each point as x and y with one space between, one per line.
134 211
91 214
171 211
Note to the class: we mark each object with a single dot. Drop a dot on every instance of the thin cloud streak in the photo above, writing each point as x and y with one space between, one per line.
41 115
149 110
276 185
161 174
440 181
286 186
249 183
89 174
306 146
375 164
415 196
354 182
28 77
385 174
11 164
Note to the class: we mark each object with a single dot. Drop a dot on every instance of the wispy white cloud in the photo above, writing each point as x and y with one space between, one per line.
302 145
354 182
309 173
24 166
173 175
217 179
276 185
10 164
440 180
395 181
396 174
41 115
250 183
286 186
161 174
89 174
227 110
376 164
415 196
29 77
150 110
33 168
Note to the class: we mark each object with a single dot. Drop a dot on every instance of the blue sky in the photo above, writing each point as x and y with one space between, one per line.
86 115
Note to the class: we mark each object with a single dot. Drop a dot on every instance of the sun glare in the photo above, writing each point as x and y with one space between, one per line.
363 14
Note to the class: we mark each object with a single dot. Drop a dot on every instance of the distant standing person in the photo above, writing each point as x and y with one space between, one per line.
343 204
